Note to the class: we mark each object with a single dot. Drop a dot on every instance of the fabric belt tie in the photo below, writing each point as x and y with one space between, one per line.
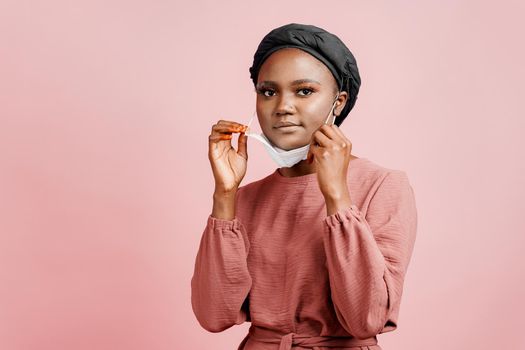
286 341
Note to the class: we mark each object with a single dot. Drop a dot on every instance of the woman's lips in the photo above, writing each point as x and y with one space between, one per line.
284 123
288 128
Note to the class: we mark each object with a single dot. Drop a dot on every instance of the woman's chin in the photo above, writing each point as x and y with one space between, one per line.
288 139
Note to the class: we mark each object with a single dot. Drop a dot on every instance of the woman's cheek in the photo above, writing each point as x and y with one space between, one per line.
314 123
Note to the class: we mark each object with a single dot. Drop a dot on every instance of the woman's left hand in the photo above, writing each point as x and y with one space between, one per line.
331 151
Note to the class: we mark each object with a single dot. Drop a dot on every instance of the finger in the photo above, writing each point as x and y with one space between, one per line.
340 133
219 137
330 132
242 145
313 152
345 142
217 140
222 121
321 138
229 122
310 155
312 149
227 128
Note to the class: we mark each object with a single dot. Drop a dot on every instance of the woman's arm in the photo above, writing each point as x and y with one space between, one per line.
224 205
367 258
221 281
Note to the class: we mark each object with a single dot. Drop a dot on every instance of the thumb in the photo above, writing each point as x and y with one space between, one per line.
242 145
310 156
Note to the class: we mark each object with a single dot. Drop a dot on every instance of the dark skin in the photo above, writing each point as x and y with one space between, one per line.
306 104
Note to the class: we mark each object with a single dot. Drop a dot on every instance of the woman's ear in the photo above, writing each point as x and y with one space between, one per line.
341 102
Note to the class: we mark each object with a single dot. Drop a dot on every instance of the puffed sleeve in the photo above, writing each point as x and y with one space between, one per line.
368 257
221 282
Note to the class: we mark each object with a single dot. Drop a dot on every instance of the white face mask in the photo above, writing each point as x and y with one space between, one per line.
281 157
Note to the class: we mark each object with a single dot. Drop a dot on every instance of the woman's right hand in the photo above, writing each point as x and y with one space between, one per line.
228 165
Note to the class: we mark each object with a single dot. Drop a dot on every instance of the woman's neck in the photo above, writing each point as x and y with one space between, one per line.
299 169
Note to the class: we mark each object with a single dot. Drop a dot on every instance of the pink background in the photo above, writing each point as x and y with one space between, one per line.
105 185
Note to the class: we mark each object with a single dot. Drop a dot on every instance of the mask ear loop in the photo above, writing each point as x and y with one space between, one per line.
331 113
333 105
248 131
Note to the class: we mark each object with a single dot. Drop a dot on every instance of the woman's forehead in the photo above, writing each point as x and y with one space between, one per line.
293 66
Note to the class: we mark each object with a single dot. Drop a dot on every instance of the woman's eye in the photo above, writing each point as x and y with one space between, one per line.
264 91
270 92
305 89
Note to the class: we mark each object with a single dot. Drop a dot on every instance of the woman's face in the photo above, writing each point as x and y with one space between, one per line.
294 86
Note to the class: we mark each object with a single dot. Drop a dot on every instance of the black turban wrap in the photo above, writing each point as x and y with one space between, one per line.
321 44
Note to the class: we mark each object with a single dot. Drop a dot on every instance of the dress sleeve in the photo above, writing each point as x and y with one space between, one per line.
367 257
221 281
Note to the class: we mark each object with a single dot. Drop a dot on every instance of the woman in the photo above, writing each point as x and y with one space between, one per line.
315 254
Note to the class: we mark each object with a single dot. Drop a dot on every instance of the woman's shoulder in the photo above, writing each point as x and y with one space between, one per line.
368 167
371 174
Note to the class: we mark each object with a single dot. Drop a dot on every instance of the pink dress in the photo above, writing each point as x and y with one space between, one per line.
303 279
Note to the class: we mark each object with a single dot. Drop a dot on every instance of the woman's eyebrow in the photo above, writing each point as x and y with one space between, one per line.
295 82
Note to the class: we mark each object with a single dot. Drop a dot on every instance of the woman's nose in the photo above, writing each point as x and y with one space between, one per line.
284 105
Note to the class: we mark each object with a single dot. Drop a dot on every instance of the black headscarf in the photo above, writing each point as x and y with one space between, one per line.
324 46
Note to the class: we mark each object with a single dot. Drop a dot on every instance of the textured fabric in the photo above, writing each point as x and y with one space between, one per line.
321 44
302 278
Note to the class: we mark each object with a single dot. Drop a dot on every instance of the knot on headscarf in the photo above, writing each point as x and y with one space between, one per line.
324 46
